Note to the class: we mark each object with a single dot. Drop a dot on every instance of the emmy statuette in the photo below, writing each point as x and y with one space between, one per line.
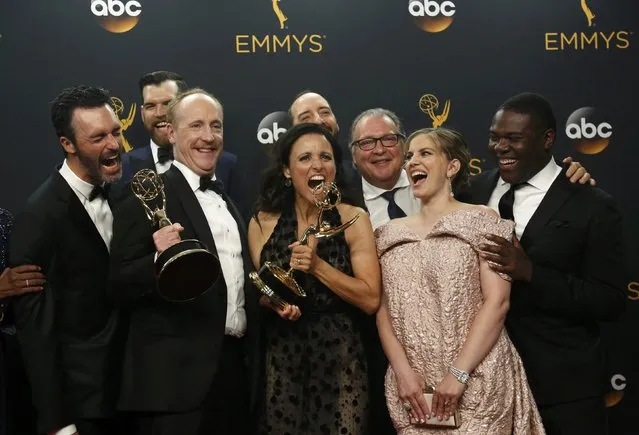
187 269
278 284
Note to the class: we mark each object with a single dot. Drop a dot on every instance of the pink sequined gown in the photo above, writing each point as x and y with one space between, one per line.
433 291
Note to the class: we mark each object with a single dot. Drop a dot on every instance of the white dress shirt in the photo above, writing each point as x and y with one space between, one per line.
378 206
160 168
98 209
100 213
528 197
229 249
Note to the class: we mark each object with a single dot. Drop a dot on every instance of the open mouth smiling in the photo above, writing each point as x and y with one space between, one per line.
418 177
315 181
110 161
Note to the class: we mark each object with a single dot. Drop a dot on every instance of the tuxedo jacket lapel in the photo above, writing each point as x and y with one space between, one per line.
143 161
148 158
77 212
560 191
192 209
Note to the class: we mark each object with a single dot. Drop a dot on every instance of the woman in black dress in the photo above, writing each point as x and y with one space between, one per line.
16 411
315 369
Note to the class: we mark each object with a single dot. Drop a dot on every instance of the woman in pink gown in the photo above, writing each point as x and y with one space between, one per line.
442 317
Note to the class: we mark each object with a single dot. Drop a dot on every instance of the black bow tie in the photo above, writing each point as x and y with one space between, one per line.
165 153
102 191
214 185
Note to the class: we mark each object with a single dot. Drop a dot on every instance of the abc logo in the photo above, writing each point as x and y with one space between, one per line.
618 384
271 127
589 130
432 16
116 8
117 16
431 8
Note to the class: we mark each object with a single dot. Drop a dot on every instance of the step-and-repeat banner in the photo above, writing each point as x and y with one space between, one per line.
435 63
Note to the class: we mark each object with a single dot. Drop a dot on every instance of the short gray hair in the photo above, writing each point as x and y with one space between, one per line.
376 112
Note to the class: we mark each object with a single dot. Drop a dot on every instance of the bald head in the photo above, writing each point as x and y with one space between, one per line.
312 107
195 93
196 130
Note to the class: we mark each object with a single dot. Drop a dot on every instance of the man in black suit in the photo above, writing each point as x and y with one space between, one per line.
157 89
567 270
69 333
190 368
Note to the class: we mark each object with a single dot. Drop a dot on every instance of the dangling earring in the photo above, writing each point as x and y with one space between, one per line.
450 186
287 182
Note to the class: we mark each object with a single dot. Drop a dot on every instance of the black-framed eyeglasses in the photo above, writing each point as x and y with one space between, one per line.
369 143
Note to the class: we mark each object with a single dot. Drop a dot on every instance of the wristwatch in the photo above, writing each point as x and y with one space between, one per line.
460 375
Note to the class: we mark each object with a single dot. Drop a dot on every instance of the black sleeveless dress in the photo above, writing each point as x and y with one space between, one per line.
316 374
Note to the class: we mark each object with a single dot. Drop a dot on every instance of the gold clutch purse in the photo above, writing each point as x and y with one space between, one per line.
453 421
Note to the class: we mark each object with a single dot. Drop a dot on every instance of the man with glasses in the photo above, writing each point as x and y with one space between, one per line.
376 139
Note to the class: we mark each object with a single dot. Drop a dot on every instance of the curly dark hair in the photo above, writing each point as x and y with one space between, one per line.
274 194
69 99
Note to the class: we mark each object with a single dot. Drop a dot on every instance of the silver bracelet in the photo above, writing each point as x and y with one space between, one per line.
460 375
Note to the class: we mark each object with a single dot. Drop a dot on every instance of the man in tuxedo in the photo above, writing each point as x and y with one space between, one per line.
566 262
192 367
157 89
69 333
